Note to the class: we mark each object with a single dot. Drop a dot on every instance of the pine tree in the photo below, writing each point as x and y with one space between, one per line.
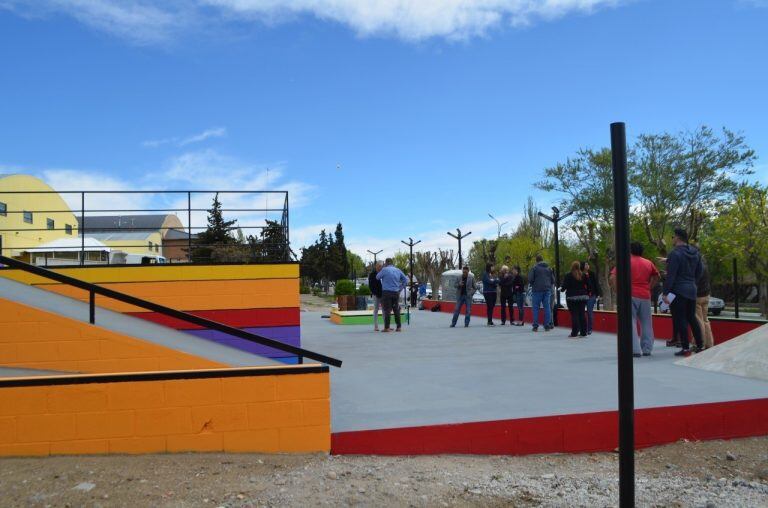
217 233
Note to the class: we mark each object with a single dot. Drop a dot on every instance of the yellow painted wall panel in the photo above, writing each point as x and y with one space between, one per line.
53 342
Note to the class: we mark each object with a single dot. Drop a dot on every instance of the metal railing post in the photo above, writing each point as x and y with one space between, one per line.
189 226
736 287
92 307
82 228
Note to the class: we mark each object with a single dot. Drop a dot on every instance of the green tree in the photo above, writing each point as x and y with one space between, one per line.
271 246
356 264
741 231
586 181
217 234
683 180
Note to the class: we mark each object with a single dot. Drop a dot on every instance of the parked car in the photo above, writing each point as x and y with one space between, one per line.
715 307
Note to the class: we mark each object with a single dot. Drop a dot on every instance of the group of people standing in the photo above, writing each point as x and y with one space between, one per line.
580 286
685 290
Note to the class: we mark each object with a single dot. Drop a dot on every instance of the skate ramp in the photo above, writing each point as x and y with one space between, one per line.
745 356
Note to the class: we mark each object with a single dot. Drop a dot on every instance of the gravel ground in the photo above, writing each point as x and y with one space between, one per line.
720 473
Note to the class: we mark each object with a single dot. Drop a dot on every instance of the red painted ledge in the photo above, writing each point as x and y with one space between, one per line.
573 433
723 329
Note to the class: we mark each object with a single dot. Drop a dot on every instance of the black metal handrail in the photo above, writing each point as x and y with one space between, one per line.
94 289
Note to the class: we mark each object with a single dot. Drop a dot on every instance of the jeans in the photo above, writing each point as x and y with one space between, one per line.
641 313
578 317
376 306
702 310
591 312
520 300
684 315
462 300
390 300
506 301
490 303
542 298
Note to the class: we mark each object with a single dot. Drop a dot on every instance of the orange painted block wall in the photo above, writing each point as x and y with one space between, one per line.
36 339
289 412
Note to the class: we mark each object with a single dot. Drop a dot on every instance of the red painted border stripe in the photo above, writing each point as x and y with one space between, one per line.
572 433
723 329
239 318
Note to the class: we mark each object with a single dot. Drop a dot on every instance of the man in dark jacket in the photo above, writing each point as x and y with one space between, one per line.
541 279
375 285
684 268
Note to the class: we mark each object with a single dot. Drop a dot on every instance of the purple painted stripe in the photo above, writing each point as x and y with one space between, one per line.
286 334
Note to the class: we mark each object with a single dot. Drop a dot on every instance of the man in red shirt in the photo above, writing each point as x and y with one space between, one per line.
645 276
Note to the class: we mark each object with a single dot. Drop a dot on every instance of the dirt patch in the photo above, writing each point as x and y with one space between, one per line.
719 473
315 303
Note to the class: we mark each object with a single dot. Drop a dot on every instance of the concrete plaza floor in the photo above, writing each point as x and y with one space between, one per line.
432 374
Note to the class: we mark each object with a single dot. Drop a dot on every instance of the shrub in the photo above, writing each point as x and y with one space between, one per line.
304 290
344 287
364 290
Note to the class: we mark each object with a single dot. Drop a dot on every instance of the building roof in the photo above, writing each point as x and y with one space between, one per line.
177 234
71 244
119 222
113 236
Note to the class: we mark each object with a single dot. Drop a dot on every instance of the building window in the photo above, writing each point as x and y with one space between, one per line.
50 224
28 217
157 247
150 246
3 209
68 229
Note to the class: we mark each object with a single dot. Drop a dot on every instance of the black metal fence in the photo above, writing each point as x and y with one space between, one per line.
144 227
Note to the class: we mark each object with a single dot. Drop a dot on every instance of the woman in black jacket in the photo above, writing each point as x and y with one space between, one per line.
576 296
505 295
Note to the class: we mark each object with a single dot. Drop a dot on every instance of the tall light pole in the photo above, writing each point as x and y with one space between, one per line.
458 237
498 225
374 256
555 219
626 386
410 243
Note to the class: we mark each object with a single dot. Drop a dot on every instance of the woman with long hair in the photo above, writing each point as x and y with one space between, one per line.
576 296
490 282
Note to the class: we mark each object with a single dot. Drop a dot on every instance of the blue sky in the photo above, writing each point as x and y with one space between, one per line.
397 118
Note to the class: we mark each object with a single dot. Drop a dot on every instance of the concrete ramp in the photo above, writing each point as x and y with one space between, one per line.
745 356
47 331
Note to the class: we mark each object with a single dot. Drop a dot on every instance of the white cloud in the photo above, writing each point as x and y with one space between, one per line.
216 132
147 22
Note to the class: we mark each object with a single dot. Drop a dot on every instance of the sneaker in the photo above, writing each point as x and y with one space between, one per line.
673 343
453 325
637 355
583 335
535 329
572 336
386 330
398 329
589 332
503 323
491 324
683 352
466 325
548 328
646 354
376 329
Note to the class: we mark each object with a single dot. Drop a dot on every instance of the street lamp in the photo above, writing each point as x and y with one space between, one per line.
498 225
374 255
555 219
458 237
410 243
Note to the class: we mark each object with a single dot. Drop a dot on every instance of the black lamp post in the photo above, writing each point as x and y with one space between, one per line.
555 219
374 256
410 243
458 237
